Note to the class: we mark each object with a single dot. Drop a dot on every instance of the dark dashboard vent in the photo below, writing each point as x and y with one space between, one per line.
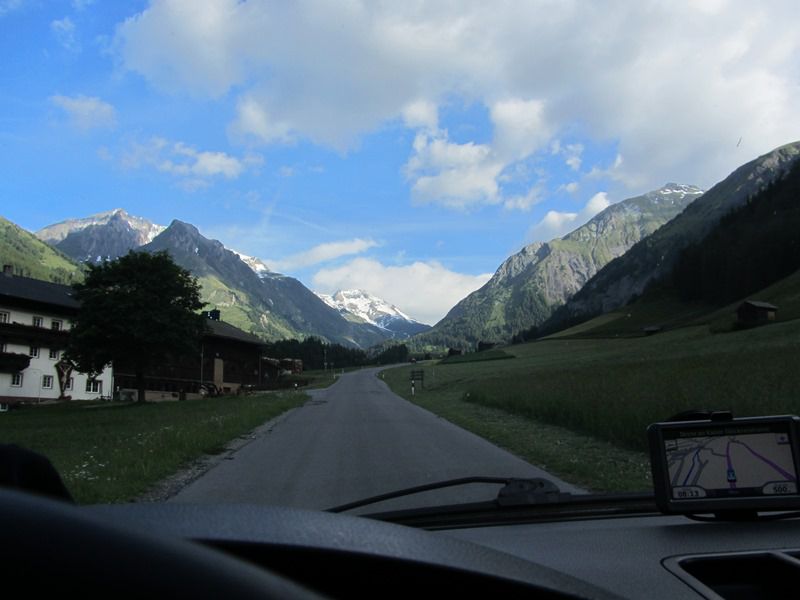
741 575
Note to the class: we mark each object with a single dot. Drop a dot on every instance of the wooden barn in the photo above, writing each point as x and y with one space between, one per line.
755 312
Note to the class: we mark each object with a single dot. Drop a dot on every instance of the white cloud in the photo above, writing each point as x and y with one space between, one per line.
556 224
421 114
526 201
64 32
520 127
253 120
195 168
454 175
674 85
573 156
322 253
86 112
403 285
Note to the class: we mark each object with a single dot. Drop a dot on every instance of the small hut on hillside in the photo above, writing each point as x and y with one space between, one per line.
755 312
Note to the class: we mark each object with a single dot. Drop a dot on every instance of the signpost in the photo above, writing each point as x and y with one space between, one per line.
417 375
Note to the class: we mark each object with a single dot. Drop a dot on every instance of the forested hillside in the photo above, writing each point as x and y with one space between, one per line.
752 247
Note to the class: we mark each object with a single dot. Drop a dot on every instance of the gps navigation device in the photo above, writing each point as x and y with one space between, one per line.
726 466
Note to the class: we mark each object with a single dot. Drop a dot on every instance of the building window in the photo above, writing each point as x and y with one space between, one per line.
69 383
56 325
4 316
94 386
47 382
16 379
34 352
38 321
53 354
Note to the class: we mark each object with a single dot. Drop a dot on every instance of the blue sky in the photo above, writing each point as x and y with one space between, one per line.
402 148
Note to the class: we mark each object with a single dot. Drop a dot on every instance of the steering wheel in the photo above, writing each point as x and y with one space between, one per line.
48 546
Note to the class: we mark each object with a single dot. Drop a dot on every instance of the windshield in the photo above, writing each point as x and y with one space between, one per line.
390 244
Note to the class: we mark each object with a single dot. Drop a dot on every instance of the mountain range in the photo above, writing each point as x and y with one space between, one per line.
103 236
531 284
654 257
371 309
248 293
600 266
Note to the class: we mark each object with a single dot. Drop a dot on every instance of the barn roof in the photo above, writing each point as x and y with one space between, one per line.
759 304
228 331
15 288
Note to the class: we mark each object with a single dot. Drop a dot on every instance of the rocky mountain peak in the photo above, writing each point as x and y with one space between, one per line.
373 310
532 283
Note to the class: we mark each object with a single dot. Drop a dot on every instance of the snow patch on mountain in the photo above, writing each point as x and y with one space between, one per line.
259 267
145 230
370 308
680 190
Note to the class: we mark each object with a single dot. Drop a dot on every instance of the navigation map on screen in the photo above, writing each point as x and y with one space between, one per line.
751 464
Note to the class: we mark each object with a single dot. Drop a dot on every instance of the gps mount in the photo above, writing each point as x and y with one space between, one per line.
710 462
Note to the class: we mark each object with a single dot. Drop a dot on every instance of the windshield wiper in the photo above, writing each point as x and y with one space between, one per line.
417 490
518 500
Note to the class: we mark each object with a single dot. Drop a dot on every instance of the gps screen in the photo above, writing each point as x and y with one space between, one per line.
747 464
726 465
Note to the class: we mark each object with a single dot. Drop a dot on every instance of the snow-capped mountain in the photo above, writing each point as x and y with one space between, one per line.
145 230
258 265
107 235
102 236
375 311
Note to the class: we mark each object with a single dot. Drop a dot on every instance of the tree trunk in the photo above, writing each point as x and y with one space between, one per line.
140 384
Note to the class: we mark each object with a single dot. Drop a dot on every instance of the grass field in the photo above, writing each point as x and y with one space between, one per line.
113 452
609 390
495 354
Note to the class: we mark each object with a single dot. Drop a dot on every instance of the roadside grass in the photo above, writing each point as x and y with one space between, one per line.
115 452
609 390
494 354
564 453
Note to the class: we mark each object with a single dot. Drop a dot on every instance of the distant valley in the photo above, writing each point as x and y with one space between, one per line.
623 253
247 292
531 284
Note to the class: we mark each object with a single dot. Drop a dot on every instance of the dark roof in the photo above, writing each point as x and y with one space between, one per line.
226 330
33 290
759 304
57 295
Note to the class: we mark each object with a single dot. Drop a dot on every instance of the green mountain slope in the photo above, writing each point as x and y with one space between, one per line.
752 253
273 306
654 257
31 257
542 276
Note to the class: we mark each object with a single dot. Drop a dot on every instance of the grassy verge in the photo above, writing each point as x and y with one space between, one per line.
476 357
114 452
556 449
609 390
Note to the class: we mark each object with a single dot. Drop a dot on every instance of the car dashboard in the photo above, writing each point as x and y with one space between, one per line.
644 556
199 550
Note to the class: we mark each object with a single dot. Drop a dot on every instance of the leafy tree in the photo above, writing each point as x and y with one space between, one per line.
139 309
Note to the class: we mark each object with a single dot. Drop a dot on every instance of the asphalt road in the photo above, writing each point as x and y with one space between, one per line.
353 440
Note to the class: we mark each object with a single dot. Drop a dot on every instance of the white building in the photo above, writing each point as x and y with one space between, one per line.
35 318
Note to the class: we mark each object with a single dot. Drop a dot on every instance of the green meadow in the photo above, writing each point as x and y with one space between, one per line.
114 452
562 396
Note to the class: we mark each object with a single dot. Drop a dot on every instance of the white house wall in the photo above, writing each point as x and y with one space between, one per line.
33 377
